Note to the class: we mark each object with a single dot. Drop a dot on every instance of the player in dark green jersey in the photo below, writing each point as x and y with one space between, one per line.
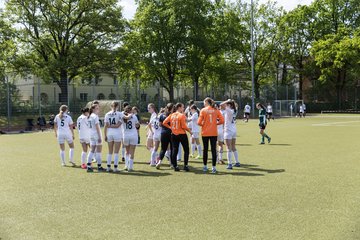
262 123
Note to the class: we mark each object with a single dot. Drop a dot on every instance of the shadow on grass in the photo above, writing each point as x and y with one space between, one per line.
243 144
280 144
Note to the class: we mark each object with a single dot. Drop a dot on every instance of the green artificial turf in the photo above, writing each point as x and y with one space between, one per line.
304 185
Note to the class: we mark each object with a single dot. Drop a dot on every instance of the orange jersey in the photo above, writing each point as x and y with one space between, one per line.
177 123
208 120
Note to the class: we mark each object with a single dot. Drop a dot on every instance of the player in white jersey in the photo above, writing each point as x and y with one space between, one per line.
195 129
112 132
130 138
154 127
150 134
247 110
230 132
95 138
269 112
84 134
220 137
63 126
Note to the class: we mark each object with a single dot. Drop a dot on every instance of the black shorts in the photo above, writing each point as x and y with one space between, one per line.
262 126
247 114
269 113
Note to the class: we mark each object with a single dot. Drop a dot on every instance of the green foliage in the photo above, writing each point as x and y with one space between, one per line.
60 40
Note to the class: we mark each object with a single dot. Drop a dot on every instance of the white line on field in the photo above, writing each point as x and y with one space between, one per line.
333 123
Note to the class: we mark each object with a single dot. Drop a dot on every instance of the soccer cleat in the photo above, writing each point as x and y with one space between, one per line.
108 169
101 169
262 143
213 170
158 164
269 140
186 168
237 165
89 169
63 164
130 170
125 168
94 160
116 170
152 165
229 167
191 155
205 169
72 163
176 169
83 166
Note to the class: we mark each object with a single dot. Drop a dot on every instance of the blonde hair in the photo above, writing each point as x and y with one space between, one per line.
62 110
115 105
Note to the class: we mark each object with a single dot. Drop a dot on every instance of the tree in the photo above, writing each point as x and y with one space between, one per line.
266 19
336 50
158 38
62 39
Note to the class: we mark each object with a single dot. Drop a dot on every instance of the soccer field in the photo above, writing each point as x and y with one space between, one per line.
304 185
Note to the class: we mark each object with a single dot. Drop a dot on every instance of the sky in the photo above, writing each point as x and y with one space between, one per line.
129 7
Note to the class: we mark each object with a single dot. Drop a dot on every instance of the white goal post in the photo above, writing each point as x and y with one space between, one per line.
287 108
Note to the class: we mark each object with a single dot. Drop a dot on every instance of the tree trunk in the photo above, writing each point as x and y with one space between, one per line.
63 84
171 88
257 87
301 68
196 87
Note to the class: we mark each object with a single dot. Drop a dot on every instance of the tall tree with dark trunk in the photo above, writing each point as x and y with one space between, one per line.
62 39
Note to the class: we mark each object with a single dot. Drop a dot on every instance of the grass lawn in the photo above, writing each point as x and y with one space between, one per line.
304 185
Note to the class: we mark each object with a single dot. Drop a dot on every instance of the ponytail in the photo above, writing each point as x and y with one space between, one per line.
210 102
62 110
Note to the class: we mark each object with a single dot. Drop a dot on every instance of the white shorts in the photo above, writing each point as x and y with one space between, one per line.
130 140
65 137
114 138
229 135
195 135
94 141
85 140
220 137
157 137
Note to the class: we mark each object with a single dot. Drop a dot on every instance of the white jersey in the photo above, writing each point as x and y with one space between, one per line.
269 109
301 109
113 118
189 115
247 108
83 128
230 120
64 124
193 122
93 120
220 128
155 125
130 127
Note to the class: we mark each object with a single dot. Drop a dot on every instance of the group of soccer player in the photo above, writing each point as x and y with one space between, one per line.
167 130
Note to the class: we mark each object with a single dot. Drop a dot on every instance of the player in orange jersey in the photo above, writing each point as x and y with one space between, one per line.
178 128
209 118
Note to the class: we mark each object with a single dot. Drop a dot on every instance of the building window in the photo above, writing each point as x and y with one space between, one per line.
101 96
84 97
112 96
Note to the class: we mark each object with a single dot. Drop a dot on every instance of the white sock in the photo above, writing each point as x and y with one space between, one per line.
62 156
116 160
71 154
83 157
131 163
193 148
167 153
199 149
127 157
153 157
220 154
108 160
98 158
90 157
236 156
123 152
229 155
